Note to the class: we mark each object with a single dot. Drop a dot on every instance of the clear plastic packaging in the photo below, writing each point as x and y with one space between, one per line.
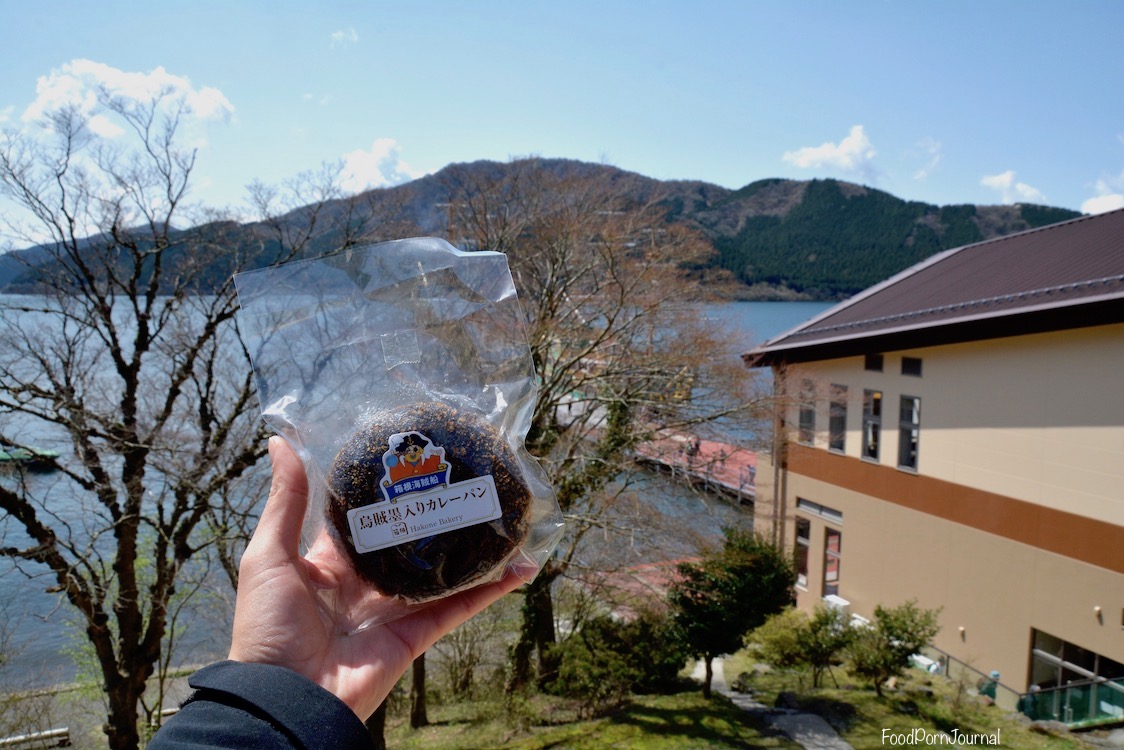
401 374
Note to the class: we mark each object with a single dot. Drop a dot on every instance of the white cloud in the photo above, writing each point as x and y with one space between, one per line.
79 82
378 167
103 126
853 154
1103 203
931 149
1109 197
1011 190
87 87
344 38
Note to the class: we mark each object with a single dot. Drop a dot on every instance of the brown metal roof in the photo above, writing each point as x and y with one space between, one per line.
1061 276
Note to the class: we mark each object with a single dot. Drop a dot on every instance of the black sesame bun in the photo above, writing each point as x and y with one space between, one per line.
429 566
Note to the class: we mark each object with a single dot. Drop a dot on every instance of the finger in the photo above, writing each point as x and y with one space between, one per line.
283 515
425 627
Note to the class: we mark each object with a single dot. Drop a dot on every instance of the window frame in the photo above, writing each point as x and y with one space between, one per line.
831 515
830 556
806 414
911 366
872 424
837 419
803 550
909 432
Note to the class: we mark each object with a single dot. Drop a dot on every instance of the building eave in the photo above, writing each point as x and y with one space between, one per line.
1082 313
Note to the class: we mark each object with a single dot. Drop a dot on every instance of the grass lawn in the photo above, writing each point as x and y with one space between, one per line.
931 703
684 721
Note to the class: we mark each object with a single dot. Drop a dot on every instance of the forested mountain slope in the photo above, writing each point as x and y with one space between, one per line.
817 239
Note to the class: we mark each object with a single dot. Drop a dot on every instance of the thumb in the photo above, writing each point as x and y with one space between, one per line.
283 515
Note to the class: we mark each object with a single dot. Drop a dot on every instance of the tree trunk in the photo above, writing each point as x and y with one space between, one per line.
536 633
418 716
121 726
709 661
376 726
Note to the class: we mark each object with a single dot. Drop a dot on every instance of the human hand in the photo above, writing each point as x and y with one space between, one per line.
278 615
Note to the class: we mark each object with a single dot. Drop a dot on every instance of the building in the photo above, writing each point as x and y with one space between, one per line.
955 435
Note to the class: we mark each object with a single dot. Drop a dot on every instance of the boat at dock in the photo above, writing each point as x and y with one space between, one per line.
27 455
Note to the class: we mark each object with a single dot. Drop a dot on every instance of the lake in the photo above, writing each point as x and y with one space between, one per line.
756 322
42 641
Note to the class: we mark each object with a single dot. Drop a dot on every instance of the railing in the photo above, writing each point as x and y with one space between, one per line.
1078 704
49 738
956 670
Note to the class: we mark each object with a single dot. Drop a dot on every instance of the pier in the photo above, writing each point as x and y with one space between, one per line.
716 466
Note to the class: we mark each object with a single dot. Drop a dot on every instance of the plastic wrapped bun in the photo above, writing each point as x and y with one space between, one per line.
401 373
439 478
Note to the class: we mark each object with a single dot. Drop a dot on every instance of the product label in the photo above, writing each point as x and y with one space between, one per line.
421 514
418 500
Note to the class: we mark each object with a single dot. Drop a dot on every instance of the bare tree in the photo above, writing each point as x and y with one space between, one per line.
469 659
22 711
618 336
128 359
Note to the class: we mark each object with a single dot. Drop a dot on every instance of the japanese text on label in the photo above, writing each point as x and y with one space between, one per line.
422 514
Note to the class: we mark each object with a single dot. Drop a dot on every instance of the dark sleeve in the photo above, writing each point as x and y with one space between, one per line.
237 705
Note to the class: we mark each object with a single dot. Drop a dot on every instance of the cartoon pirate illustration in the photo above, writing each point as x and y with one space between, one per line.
413 463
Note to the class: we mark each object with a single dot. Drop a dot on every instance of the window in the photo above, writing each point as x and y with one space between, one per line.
873 362
808 413
911 366
872 423
803 544
815 509
909 432
832 561
837 418
1056 663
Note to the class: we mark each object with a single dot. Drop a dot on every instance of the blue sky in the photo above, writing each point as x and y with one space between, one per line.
950 101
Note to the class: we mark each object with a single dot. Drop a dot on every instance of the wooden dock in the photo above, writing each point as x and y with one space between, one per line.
717 466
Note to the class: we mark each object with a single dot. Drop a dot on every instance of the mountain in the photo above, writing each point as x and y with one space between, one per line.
813 239
830 239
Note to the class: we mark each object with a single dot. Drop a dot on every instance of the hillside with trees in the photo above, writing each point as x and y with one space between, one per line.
772 239
830 239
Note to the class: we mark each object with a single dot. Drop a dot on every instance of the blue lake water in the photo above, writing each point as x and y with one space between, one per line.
41 638
756 322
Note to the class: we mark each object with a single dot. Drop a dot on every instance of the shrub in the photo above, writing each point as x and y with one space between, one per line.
882 650
594 667
607 660
658 654
777 642
793 640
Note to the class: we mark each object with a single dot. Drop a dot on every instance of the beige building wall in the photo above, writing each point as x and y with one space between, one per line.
1007 426
993 588
1039 418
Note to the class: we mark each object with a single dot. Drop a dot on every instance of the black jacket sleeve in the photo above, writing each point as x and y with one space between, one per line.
237 705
